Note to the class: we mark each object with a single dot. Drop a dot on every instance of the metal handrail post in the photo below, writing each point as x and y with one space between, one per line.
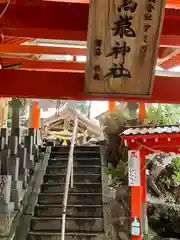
69 176
72 149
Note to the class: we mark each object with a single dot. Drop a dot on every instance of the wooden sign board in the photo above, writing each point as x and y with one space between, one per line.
123 40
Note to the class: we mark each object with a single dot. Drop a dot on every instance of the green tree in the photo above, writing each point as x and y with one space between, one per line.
163 114
176 176
176 167
83 107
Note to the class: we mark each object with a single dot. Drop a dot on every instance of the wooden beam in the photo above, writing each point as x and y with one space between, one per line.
60 34
69 1
170 3
39 50
63 66
172 62
165 40
173 4
48 15
170 41
26 49
66 21
66 85
44 65
169 56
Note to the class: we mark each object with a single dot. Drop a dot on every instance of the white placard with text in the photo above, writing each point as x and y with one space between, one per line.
134 168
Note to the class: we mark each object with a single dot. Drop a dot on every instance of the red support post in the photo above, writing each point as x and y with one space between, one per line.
136 207
136 193
142 111
144 192
138 199
112 106
143 175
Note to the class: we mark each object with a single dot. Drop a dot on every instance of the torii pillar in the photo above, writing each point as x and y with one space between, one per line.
34 120
112 106
138 190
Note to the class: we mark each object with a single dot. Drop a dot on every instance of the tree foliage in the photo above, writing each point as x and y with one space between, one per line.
176 166
83 107
164 114
114 123
117 173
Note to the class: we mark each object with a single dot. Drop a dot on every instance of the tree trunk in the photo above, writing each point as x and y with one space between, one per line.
153 188
178 195
133 107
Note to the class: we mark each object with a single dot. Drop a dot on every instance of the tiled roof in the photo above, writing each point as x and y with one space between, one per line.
152 130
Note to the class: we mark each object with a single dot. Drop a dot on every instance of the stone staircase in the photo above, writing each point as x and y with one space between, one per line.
84 218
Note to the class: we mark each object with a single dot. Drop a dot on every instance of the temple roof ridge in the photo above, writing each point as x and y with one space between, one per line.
70 106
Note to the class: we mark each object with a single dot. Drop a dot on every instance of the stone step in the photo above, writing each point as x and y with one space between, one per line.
79 211
73 198
78 187
76 148
76 152
79 154
50 143
77 169
77 162
72 224
79 178
57 236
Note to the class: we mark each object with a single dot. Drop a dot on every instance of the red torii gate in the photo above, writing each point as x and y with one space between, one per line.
60 20
68 21
143 141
